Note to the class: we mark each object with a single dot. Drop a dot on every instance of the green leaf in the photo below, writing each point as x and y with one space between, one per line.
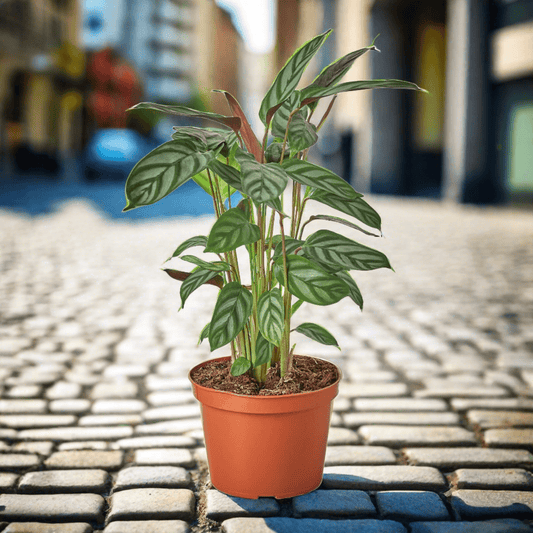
240 366
356 208
289 76
317 333
233 122
199 240
314 176
229 174
274 151
262 182
337 251
202 179
179 275
211 139
302 134
296 306
335 71
281 116
217 266
263 351
162 171
230 231
195 280
270 316
310 282
232 310
204 333
311 94
291 245
342 221
355 293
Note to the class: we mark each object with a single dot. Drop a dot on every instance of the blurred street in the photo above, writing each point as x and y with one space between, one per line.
433 424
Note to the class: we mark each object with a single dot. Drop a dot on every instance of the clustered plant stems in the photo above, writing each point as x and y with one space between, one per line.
255 320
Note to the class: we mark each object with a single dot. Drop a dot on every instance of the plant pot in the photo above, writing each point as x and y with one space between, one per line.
265 446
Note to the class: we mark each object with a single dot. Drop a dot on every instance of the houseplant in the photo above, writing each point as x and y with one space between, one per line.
277 438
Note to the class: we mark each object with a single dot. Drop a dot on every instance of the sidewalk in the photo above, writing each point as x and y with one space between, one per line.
432 431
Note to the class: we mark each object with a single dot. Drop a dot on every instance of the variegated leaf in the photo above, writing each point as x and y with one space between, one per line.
229 174
289 76
356 208
355 293
240 366
311 94
314 176
310 282
281 116
216 266
302 134
339 252
261 182
230 231
263 351
195 280
291 245
204 333
232 310
162 171
270 315
202 179
317 333
199 240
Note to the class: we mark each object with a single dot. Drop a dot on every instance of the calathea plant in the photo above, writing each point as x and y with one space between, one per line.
287 266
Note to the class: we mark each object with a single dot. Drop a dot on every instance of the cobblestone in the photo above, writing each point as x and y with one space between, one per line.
438 373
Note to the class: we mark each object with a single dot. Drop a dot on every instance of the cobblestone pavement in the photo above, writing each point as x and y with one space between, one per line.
431 432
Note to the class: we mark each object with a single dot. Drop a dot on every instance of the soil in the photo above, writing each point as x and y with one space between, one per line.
308 374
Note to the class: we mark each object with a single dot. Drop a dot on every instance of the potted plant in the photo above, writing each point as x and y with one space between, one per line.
266 410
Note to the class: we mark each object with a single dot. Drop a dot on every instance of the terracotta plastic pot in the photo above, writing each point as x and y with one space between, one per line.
272 446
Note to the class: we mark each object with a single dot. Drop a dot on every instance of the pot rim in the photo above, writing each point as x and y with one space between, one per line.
271 397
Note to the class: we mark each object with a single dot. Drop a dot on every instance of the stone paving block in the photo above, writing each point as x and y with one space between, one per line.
165 441
149 504
110 420
117 406
341 404
171 412
77 433
411 505
509 438
18 461
7 480
22 406
220 506
164 456
500 419
455 390
160 383
484 526
306 525
338 436
390 477
64 481
148 526
476 504
36 421
122 371
501 478
63 390
372 390
38 527
39 447
399 436
323 503
401 418
359 455
83 445
114 389
400 404
11 346
107 460
24 391
152 476
8 433
464 404
160 399
170 427
72 405
68 507
466 457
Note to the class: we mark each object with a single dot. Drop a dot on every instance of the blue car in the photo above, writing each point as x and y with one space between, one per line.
112 153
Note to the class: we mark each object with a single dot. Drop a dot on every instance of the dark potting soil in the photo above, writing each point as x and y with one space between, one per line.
308 374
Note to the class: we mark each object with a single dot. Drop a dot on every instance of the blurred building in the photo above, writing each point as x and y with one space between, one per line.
41 77
181 49
471 139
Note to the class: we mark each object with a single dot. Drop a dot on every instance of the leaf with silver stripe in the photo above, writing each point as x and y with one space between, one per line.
232 310
317 333
270 315
230 231
195 280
